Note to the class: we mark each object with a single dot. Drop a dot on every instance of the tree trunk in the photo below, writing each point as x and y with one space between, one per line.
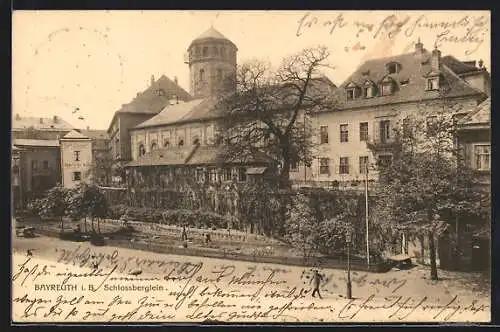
422 248
62 225
432 250
85 224
92 223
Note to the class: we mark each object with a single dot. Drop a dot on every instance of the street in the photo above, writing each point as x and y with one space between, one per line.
263 285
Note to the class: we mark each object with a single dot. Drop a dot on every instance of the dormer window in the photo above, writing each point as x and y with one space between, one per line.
432 83
387 86
369 89
393 68
351 91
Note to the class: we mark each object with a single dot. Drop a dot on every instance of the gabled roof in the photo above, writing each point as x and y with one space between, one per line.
74 134
198 109
479 115
94 134
40 123
151 101
413 68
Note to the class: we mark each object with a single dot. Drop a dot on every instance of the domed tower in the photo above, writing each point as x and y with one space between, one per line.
212 63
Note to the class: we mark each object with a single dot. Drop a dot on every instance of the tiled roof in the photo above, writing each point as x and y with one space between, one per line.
213 34
36 142
74 134
40 123
190 155
150 100
197 109
409 80
479 115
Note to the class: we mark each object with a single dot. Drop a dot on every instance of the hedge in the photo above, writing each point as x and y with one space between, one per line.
193 218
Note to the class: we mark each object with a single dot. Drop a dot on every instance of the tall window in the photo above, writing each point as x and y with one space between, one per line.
369 91
344 133
154 146
205 51
433 83
344 165
323 132
294 166
363 131
76 155
226 174
482 154
45 164
142 150
351 94
223 52
202 75
197 50
34 164
77 176
363 164
324 167
215 51
385 126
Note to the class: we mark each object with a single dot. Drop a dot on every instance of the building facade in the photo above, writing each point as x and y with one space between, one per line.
377 97
76 159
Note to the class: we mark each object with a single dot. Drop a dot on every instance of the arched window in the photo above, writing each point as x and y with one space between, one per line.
154 145
142 150
166 143
202 74
205 51
181 142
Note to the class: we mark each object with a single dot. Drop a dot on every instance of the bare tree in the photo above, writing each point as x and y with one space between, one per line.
268 113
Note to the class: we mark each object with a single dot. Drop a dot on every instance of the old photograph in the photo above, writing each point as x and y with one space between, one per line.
251 167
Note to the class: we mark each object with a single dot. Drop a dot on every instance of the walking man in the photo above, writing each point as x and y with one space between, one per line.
316 280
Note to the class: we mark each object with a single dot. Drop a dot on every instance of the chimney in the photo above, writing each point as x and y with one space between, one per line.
419 47
152 80
18 117
435 59
41 120
176 80
480 63
55 119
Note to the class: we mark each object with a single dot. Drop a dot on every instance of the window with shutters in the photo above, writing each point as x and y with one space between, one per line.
385 126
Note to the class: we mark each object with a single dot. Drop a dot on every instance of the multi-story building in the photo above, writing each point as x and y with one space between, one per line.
144 106
76 159
183 134
375 99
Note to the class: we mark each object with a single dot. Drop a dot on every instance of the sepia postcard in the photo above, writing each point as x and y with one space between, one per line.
251 167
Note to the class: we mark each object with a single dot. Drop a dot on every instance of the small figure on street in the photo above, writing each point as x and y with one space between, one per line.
316 280
207 239
184 233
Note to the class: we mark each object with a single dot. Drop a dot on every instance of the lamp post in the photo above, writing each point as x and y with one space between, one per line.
349 285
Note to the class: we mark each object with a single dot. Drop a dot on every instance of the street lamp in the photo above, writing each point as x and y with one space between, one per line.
348 243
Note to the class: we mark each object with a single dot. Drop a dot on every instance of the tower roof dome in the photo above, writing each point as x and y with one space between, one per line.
211 34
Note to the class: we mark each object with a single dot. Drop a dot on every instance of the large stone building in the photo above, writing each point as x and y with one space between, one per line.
144 106
377 96
181 138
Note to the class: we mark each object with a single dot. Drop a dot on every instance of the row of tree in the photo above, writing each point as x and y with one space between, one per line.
81 202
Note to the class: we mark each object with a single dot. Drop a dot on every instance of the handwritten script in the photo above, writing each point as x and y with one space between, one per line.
86 285
466 30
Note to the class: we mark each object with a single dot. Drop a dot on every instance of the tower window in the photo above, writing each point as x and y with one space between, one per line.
205 51
76 154
202 74
215 51
197 50
223 52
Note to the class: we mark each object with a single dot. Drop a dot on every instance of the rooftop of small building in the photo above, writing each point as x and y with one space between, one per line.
35 142
479 115
54 123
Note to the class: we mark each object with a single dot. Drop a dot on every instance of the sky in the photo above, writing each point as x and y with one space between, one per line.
98 60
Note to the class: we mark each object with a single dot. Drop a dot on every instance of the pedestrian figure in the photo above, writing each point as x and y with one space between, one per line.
316 280
207 238
184 234
95 264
